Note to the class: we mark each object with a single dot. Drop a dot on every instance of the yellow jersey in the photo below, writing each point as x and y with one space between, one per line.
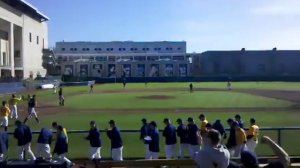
240 136
4 111
253 131
14 101
203 125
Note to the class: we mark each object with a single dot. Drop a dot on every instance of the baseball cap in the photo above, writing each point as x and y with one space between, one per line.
111 122
190 119
144 120
248 159
93 122
179 120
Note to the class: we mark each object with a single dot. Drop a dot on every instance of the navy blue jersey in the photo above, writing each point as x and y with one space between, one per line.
45 136
182 133
232 139
192 134
170 135
219 127
94 137
144 132
23 134
61 145
115 137
154 142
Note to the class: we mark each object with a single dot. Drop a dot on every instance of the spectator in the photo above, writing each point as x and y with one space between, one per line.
116 141
61 146
182 133
241 140
23 135
214 154
203 123
252 135
3 145
95 142
238 119
219 127
43 143
144 132
249 160
154 141
170 139
4 113
193 137
231 142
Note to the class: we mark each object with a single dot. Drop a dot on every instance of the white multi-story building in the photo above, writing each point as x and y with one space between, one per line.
123 58
23 36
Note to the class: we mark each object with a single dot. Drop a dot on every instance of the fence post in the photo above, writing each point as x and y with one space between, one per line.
279 136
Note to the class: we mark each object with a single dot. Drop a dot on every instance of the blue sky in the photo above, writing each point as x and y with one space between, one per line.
204 24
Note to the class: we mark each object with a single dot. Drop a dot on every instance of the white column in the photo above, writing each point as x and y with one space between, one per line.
11 49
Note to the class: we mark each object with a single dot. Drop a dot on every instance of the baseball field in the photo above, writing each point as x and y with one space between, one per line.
273 104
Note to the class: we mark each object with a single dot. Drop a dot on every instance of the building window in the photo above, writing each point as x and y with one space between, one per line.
71 49
169 48
30 36
43 43
178 58
63 49
178 48
37 39
83 49
75 49
87 49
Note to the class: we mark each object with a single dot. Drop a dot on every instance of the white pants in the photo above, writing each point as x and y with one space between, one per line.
117 154
148 155
32 112
193 149
154 155
170 151
25 148
251 145
183 147
63 158
95 153
237 150
4 121
14 112
43 150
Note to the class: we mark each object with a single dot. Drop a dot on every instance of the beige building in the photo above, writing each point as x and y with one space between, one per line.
23 36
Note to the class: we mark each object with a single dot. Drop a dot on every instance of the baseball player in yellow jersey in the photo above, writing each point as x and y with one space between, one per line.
241 140
4 115
13 103
203 123
252 135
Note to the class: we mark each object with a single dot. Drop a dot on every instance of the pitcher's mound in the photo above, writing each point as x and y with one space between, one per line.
157 97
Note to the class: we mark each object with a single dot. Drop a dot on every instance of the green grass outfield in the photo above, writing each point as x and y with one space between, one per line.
87 105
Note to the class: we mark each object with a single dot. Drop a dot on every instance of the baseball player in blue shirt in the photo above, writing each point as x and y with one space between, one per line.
95 142
154 140
144 134
116 141
193 137
182 133
170 139
23 135
43 144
